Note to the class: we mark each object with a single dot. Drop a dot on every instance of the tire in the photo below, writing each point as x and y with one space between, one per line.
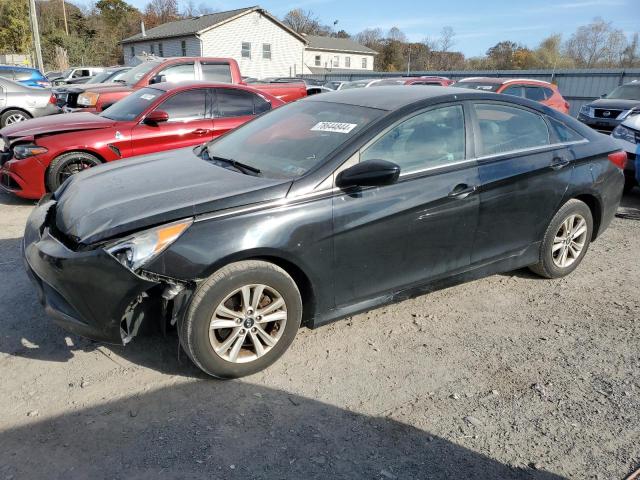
209 348
13 116
572 216
63 166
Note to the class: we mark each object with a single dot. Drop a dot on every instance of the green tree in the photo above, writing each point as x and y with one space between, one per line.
15 33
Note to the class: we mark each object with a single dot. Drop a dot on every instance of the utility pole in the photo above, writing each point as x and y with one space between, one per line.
36 34
64 15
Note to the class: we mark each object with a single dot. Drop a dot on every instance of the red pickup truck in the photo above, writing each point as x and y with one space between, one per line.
96 98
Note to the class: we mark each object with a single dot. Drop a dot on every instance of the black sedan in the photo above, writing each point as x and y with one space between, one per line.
321 209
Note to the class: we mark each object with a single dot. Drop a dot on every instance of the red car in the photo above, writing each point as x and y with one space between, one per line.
96 98
438 81
36 156
536 90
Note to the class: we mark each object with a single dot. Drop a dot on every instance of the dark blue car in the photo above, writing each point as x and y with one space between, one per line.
25 75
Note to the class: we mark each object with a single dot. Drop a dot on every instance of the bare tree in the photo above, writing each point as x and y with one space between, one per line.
191 10
302 22
370 37
631 54
446 40
396 35
158 12
596 44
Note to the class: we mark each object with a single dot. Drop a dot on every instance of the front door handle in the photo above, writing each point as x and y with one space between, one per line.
559 162
462 190
201 131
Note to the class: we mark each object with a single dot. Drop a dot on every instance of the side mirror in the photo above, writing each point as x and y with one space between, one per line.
158 79
156 117
370 173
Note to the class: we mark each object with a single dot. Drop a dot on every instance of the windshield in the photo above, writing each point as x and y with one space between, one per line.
293 139
347 86
101 77
625 92
66 73
488 87
383 83
131 106
136 73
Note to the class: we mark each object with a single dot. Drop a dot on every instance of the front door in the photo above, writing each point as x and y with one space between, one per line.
421 227
524 172
189 124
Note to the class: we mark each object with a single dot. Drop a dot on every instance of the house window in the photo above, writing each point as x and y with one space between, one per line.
347 62
133 51
364 62
336 61
318 61
152 49
266 51
183 46
160 50
246 50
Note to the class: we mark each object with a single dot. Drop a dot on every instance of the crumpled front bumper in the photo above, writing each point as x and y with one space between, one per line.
85 292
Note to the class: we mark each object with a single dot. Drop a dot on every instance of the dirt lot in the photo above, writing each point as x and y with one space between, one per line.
507 377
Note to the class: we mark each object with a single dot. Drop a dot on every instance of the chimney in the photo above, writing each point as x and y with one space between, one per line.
142 29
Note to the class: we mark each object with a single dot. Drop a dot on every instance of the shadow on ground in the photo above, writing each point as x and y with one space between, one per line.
211 429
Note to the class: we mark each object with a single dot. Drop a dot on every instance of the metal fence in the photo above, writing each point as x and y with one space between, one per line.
577 86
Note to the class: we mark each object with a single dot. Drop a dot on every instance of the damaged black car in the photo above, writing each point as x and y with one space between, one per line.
318 210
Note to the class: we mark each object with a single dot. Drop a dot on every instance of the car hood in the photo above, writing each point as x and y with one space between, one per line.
56 124
105 88
632 122
129 195
615 104
77 88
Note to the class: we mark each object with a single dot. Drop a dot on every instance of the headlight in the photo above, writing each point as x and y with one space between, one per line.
586 110
88 99
26 151
135 251
623 133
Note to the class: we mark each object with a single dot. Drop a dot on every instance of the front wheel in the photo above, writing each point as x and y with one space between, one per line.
67 165
242 319
565 241
13 116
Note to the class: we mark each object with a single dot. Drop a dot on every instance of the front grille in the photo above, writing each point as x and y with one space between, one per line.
72 99
606 113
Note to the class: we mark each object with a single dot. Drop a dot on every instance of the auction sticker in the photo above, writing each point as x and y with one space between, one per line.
335 127
147 96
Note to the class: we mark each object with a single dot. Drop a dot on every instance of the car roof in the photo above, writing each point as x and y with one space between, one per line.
504 81
188 84
16 67
389 97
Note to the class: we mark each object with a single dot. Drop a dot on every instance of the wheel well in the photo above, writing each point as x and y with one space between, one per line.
302 281
46 173
596 211
16 108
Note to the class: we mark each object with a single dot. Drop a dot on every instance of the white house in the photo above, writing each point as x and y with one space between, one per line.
261 44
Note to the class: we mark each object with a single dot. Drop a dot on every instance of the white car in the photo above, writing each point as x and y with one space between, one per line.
627 135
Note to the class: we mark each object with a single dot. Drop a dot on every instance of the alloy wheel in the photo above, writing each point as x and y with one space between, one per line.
15 118
73 167
248 323
569 241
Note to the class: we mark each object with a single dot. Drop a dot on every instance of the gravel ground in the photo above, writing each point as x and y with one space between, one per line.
509 377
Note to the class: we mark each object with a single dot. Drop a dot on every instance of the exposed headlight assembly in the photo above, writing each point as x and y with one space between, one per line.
27 150
88 99
623 133
140 248
586 110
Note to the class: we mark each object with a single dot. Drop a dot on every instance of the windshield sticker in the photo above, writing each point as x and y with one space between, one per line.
335 127
147 96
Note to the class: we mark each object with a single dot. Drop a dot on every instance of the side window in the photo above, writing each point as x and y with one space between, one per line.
185 106
515 90
535 93
266 51
564 133
22 75
179 73
246 50
505 129
183 47
260 105
427 140
7 73
548 93
216 72
233 103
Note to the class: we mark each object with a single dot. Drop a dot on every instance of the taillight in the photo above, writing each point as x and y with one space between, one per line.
619 159
52 99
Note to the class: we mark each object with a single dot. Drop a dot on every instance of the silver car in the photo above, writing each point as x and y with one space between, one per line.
19 102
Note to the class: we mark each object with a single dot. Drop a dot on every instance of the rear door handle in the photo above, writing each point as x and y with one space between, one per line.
462 190
559 162
201 131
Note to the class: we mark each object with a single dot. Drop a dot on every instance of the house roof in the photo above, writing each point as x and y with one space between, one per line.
316 42
200 24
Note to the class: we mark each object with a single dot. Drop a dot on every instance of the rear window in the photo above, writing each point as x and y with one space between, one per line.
535 93
130 107
216 72
626 92
506 129
564 133
485 86
137 72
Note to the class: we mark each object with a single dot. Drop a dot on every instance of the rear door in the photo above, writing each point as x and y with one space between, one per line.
189 124
233 107
418 229
524 172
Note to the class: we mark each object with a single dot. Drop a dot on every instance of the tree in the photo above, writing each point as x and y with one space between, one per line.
158 12
446 39
596 44
631 54
191 10
302 22
15 32
370 38
507 55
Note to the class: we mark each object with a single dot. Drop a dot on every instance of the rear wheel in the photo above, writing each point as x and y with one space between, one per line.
565 241
67 165
242 319
13 116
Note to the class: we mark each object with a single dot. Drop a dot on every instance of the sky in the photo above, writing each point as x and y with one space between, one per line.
478 25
